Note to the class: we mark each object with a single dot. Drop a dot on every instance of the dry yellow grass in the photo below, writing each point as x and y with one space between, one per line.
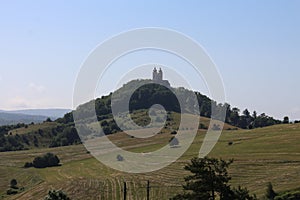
270 154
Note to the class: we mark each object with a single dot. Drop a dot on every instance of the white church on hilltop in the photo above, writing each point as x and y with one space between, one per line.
157 77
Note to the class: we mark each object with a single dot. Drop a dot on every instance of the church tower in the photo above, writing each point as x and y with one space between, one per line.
154 74
160 75
157 77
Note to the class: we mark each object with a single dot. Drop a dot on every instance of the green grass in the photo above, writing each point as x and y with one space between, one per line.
262 155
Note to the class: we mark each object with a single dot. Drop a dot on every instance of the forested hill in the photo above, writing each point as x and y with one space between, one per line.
62 132
150 93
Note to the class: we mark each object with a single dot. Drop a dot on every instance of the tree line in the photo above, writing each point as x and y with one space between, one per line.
59 135
149 94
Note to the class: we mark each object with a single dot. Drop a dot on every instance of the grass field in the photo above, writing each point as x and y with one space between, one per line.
33 128
262 155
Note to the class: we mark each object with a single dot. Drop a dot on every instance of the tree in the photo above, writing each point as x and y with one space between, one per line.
48 160
51 159
39 162
286 120
28 164
242 194
210 179
254 115
71 135
56 195
235 116
246 113
270 193
13 184
48 119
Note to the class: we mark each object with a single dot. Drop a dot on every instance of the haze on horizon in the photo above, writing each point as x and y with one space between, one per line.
254 44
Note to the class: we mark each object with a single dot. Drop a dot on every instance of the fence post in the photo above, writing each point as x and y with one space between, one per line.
125 190
148 190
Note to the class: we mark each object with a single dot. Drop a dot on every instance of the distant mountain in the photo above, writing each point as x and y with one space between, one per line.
53 113
30 115
14 118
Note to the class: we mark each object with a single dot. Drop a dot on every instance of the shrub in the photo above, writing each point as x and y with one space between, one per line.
120 158
28 164
173 133
270 193
48 160
294 195
11 192
13 184
202 126
56 195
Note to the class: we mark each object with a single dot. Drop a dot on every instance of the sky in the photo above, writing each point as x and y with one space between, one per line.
254 44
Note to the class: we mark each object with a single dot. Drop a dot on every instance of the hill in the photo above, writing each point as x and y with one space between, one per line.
256 160
30 115
54 113
146 93
262 155
15 118
54 134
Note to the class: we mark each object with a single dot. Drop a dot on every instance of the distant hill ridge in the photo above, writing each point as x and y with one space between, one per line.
50 112
27 116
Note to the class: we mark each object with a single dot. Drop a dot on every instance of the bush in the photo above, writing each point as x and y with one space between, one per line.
202 126
173 133
48 160
13 184
56 195
28 164
295 195
270 193
120 158
11 192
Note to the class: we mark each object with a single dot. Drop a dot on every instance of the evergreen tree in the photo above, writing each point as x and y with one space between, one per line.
209 180
270 193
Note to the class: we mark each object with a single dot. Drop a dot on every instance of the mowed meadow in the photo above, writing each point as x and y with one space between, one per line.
262 155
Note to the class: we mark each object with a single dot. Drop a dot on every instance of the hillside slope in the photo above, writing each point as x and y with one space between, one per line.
262 155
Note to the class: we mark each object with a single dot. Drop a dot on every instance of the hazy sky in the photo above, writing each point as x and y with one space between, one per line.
255 45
